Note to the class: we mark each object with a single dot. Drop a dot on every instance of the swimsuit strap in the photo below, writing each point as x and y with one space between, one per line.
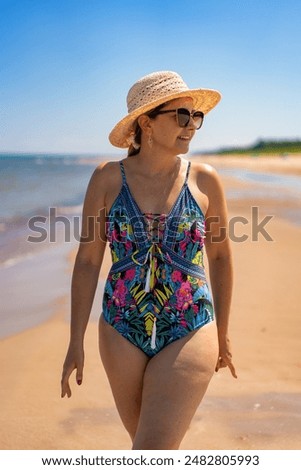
187 173
122 172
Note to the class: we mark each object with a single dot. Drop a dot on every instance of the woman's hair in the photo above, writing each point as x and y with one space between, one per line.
137 136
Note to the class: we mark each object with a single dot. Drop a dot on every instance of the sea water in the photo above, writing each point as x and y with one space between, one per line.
33 273
29 186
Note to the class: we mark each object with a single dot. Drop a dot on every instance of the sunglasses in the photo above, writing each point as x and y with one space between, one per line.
183 116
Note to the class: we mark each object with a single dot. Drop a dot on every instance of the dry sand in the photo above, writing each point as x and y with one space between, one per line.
259 410
290 164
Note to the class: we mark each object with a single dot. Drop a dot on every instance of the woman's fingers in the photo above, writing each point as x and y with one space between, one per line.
74 360
79 374
226 362
65 387
66 390
232 369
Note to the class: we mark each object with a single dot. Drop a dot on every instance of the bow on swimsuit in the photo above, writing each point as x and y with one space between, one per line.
156 291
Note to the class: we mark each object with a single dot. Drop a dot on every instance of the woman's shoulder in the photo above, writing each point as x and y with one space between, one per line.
202 167
106 168
106 172
205 172
207 178
105 178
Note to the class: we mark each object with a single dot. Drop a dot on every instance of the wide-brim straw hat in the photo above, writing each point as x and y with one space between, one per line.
151 91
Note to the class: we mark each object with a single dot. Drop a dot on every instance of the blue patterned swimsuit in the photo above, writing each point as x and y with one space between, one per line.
156 291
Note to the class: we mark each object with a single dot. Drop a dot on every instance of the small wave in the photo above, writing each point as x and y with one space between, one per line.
70 209
15 260
97 159
89 161
69 160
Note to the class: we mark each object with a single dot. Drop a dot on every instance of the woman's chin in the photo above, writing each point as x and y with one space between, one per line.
183 145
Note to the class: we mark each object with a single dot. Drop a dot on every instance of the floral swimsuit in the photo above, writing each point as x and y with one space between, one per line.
156 291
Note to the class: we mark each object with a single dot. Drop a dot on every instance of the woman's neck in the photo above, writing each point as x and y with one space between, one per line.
152 163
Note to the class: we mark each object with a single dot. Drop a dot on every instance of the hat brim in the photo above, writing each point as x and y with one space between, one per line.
203 100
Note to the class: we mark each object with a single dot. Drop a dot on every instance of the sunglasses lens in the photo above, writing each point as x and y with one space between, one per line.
198 118
183 117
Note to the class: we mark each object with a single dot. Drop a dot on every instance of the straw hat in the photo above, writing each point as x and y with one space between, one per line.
151 91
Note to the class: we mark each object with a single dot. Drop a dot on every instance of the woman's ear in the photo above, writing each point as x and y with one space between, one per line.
144 122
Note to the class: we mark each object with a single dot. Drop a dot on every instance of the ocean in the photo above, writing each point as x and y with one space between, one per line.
33 273
275 186
29 186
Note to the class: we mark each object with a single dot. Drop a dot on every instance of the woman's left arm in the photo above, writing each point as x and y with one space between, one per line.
219 256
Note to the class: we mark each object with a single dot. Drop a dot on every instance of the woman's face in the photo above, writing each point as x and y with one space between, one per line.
167 134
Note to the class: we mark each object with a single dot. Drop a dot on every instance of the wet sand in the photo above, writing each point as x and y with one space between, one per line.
259 410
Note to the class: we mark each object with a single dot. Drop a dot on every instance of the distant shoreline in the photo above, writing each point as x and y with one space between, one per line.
252 154
247 154
263 147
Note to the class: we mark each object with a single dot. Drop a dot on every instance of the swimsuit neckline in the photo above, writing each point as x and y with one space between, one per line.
125 187
143 214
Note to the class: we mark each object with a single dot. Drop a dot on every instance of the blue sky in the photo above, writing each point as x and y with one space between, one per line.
66 67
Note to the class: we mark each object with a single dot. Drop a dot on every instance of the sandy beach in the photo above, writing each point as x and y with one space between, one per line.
259 410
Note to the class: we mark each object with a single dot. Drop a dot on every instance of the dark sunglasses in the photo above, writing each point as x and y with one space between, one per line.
183 116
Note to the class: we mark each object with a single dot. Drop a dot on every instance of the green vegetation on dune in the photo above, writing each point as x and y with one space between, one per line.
263 147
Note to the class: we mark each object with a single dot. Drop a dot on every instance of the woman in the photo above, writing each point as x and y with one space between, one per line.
159 339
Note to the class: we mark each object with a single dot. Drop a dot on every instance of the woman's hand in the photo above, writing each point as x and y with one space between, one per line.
225 356
74 360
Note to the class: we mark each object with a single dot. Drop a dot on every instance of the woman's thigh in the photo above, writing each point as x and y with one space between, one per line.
124 364
175 381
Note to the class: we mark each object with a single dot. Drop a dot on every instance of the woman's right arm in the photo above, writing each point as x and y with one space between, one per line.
85 275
